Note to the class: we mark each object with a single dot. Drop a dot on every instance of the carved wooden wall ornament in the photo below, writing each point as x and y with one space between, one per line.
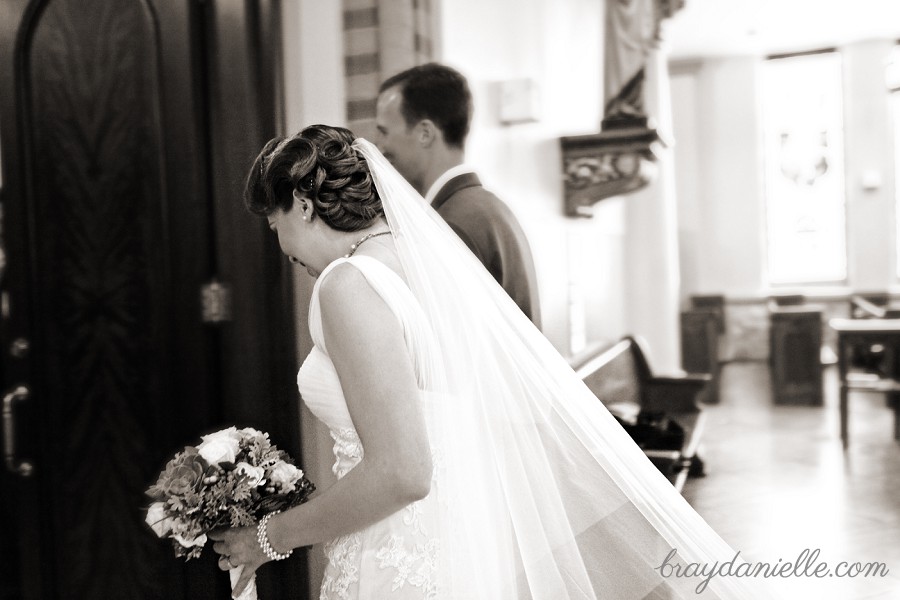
621 157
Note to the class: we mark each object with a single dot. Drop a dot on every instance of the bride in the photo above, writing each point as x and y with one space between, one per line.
471 461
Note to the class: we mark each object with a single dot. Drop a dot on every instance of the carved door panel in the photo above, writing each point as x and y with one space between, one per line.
111 225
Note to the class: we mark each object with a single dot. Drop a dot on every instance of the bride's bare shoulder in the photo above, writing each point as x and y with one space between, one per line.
342 283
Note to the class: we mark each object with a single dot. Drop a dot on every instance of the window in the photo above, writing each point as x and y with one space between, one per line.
803 129
892 78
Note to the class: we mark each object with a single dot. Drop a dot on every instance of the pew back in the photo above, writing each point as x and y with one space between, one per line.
621 377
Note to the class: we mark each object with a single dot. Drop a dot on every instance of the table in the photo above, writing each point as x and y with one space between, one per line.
852 332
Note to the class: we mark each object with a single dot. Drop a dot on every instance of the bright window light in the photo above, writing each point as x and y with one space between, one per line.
892 78
803 128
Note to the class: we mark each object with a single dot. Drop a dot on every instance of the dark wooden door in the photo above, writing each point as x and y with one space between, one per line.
126 129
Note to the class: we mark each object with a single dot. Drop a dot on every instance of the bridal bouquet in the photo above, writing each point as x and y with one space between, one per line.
231 479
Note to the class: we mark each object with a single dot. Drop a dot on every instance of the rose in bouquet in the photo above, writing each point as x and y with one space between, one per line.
233 478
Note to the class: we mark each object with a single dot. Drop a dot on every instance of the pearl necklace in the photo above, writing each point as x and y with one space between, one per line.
364 238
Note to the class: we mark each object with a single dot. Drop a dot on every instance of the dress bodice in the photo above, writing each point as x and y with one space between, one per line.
399 553
318 380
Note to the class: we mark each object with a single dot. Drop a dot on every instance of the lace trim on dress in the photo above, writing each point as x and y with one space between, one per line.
343 567
415 566
348 451
412 518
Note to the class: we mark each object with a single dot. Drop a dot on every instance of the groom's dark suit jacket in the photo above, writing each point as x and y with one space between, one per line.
491 231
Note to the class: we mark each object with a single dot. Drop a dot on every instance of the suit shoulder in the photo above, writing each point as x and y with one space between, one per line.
477 201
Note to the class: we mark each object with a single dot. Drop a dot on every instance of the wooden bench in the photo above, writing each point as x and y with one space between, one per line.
873 306
868 307
622 379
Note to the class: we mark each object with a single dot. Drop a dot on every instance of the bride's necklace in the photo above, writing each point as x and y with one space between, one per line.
363 239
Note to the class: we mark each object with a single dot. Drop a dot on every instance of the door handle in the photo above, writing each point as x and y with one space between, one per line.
23 468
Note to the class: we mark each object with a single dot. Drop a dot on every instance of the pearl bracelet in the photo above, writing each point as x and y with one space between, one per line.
262 536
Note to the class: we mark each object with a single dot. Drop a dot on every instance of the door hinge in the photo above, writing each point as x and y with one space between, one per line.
215 299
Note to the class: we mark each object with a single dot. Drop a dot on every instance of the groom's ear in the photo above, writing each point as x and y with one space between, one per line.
426 133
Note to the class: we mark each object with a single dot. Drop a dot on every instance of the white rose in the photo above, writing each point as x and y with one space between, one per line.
285 475
256 474
221 446
197 541
250 433
157 519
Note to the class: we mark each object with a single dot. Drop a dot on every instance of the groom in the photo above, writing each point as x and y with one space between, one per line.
422 117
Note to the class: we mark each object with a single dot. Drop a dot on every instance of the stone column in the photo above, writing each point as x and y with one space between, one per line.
652 288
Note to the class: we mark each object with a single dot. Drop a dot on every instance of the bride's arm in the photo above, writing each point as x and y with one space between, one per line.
365 342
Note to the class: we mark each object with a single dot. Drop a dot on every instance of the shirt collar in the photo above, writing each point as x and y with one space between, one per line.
443 179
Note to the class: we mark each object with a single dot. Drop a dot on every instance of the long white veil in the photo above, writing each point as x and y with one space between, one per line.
545 495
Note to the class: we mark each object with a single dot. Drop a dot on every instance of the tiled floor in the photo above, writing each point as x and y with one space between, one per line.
778 482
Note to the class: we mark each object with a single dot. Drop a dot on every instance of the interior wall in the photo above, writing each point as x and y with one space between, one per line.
683 82
582 264
579 262
314 92
719 176
869 139
559 46
721 210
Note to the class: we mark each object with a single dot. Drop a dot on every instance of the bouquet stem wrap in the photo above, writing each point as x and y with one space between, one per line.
249 592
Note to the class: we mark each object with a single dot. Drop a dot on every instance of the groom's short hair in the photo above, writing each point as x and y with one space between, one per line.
436 92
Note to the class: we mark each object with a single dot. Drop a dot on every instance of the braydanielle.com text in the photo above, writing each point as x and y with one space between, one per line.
806 565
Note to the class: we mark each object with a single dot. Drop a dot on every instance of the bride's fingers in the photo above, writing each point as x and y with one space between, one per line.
225 563
220 548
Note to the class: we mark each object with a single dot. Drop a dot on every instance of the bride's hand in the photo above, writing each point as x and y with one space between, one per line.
238 547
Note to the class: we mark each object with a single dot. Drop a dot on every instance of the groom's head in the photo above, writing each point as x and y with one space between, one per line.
420 112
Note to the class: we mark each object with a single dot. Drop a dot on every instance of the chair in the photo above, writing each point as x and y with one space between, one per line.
788 299
795 345
701 331
715 304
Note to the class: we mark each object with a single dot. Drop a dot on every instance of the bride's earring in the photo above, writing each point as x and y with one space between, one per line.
301 203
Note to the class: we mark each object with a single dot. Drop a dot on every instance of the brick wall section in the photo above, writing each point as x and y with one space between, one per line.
381 38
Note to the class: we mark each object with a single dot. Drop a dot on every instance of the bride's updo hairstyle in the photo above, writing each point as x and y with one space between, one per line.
322 164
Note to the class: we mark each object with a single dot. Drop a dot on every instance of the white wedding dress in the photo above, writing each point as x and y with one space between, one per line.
538 493
398 556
